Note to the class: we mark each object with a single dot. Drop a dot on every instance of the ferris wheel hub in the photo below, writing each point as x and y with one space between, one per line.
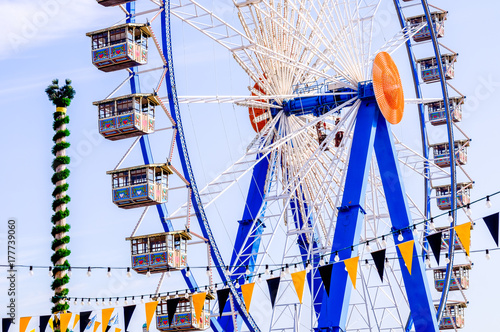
388 88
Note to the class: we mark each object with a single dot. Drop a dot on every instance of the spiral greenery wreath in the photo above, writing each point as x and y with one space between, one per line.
61 97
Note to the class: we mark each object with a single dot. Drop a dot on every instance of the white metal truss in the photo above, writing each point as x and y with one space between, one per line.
280 45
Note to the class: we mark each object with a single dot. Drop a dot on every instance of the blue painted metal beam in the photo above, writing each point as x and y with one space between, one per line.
316 105
416 287
316 285
372 132
254 201
350 218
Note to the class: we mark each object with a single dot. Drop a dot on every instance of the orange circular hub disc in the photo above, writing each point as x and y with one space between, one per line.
258 116
388 88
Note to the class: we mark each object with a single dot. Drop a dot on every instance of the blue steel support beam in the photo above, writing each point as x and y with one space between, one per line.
316 286
372 132
416 287
350 218
254 201
317 105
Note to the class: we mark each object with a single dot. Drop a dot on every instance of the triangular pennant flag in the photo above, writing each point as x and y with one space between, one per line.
33 330
434 241
492 223
351 266
171 308
6 324
107 328
379 260
118 330
51 323
463 232
64 320
247 291
273 284
44 321
84 320
106 315
150 311
127 314
299 279
23 323
198 303
406 250
325 272
77 318
222 296
96 326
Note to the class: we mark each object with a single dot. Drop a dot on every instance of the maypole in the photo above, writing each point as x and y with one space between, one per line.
61 97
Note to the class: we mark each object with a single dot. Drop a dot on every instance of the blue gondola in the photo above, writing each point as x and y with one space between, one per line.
459 279
443 195
424 34
437 112
127 116
184 318
161 252
140 186
445 240
121 46
453 316
442 153
430 71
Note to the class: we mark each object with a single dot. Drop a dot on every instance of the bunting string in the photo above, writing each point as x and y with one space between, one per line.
173 293
378 258
280 267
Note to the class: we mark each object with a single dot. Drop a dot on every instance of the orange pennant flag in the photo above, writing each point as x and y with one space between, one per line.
351 266
299 279
64 320
77 318
406 250
247 291
463 232
150 310
117 330
198 303
96 326
106 315
23 323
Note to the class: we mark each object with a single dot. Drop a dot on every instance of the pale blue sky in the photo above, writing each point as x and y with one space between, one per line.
46 39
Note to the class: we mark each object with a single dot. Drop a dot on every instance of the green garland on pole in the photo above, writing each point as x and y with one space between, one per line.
61 97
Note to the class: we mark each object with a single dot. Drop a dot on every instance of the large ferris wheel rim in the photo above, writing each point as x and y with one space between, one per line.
200 211
451 142
425 143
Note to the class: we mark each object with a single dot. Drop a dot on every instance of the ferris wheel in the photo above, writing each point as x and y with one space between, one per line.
328 175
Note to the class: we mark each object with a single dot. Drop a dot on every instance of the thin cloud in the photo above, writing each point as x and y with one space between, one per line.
30 24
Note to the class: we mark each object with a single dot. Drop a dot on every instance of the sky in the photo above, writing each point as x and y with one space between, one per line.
46 39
